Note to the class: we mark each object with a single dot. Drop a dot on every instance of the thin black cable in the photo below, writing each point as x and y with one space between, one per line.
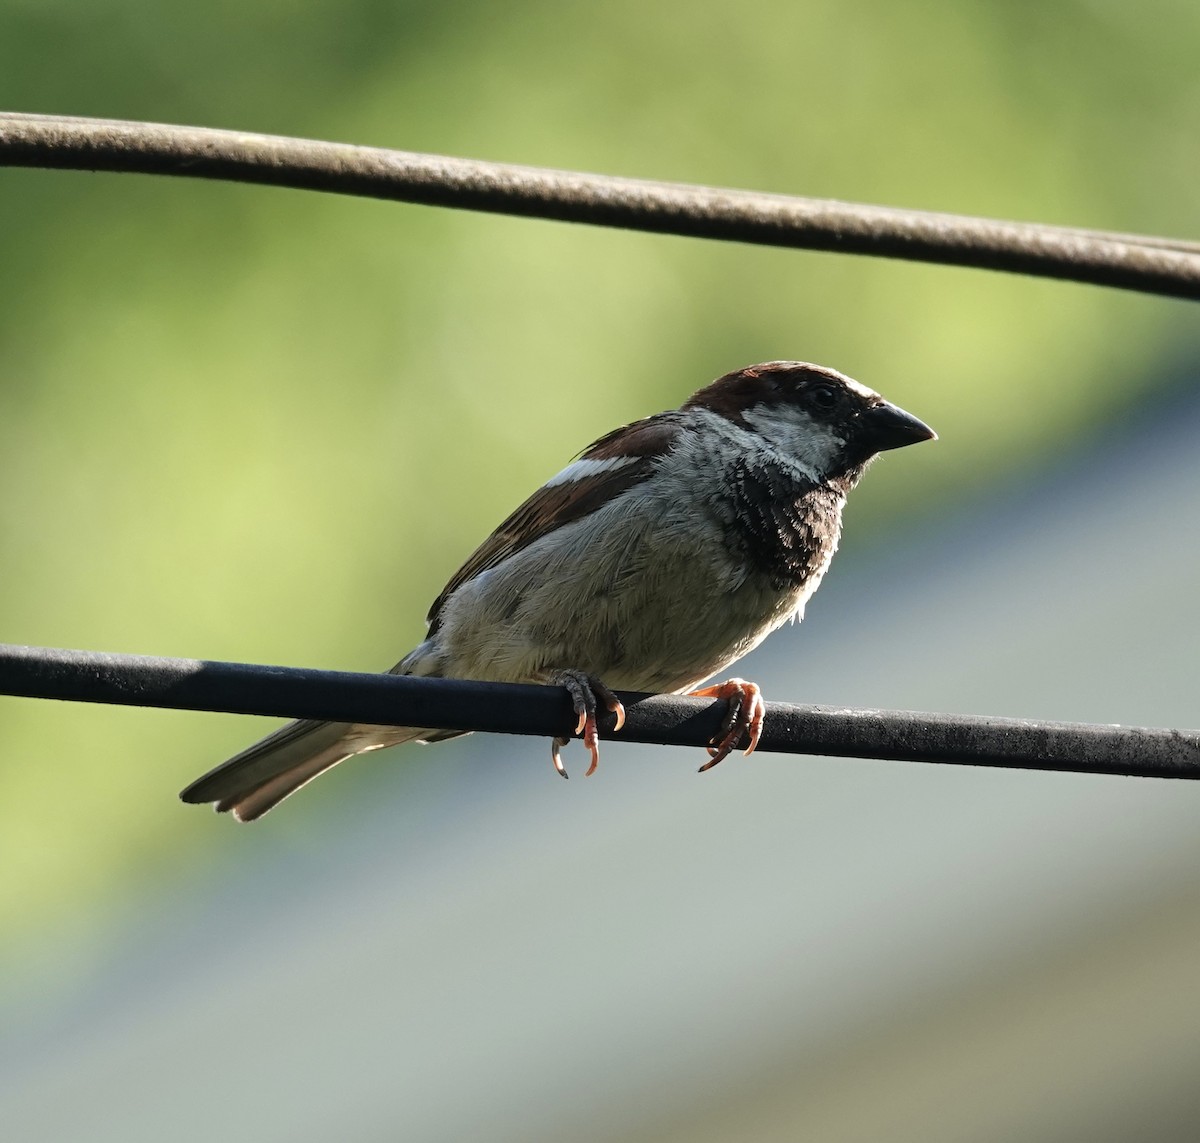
1148 264
240 688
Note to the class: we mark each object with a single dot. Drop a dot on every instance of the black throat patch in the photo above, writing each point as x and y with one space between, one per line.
787 526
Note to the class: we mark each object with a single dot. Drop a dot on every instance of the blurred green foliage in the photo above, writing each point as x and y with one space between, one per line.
244 423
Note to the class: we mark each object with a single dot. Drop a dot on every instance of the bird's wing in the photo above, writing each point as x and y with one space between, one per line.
614 464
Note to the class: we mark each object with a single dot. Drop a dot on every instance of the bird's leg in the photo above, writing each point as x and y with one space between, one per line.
587 693
745 716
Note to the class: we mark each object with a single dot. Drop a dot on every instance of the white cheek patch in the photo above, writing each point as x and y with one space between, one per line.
585 469
811 445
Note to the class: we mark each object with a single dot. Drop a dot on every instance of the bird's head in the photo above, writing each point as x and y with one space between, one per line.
823 421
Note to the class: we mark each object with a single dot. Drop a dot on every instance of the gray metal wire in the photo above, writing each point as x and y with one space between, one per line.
1147 264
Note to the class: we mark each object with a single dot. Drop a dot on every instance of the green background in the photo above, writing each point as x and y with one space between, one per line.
251 424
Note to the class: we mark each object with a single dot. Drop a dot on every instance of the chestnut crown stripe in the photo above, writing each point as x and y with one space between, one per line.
773 382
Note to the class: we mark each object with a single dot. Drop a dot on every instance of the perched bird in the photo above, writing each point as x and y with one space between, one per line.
668 550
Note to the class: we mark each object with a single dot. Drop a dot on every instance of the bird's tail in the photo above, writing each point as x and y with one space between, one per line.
262 775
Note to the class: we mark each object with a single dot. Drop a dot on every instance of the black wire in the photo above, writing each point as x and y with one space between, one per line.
1147 264
240 688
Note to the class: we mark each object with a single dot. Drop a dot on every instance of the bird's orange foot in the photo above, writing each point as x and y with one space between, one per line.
745 716
587 693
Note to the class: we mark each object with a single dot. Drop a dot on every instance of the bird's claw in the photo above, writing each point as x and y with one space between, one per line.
744 717
556 744
587 694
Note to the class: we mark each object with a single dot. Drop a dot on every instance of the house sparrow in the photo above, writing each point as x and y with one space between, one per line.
668 550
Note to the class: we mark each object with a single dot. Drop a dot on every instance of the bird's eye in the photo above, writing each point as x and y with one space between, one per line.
823 397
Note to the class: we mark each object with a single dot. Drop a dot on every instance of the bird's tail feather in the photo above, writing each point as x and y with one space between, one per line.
261 776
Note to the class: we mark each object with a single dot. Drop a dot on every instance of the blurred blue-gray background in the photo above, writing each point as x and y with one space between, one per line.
242 423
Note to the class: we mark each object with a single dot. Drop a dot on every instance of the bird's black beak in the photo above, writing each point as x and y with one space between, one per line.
885 426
